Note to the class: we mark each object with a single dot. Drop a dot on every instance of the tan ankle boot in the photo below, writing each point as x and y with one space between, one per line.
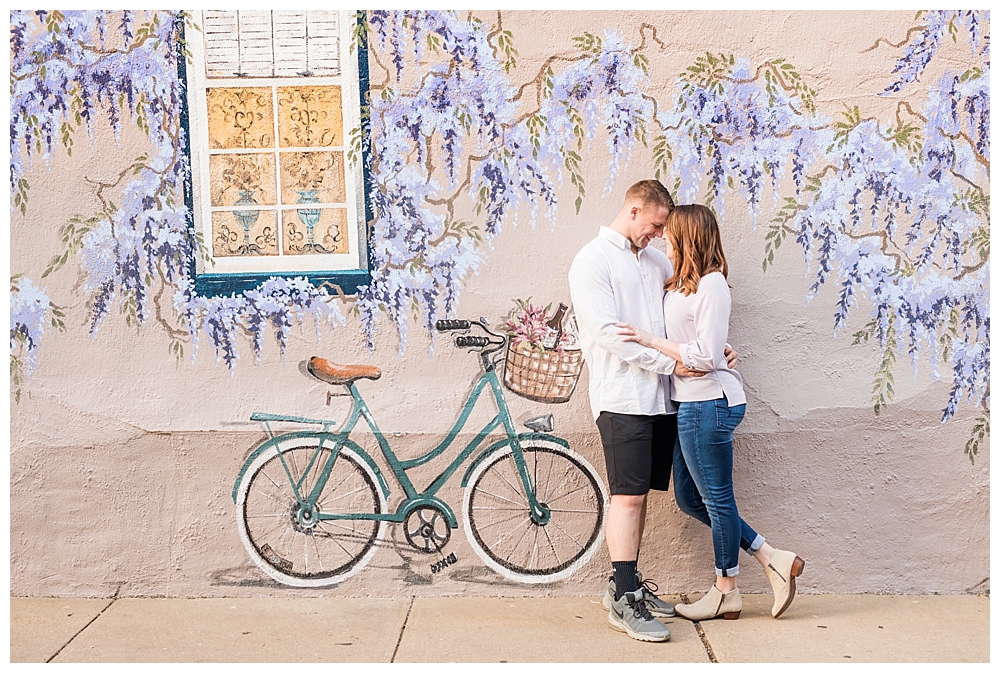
782 571
714 604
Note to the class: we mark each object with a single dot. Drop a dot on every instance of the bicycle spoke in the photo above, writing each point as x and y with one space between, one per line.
277 487
482 527
292 467
334 489
337 542
512 487
500 497
283 527
305 551
562 480
567 534
548 480
574 511
316 550
357 490
520 538
255 489
501 509
565 495
510 532
551 546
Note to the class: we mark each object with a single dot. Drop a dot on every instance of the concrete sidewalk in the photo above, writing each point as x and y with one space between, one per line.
825 628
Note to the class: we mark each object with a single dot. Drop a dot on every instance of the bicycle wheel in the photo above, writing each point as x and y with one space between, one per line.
498 519
293 546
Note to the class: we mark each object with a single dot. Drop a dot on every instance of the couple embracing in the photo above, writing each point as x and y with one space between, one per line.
666 397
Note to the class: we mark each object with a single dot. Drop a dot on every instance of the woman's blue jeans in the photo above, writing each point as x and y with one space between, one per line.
703 478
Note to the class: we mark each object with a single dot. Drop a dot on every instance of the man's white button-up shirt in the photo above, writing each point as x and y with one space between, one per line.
609 284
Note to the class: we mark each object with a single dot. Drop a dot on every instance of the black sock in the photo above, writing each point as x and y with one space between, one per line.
624 577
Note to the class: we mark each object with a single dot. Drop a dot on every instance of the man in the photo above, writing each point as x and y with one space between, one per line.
618 278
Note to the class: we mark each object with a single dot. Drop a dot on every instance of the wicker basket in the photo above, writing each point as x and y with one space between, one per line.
542 376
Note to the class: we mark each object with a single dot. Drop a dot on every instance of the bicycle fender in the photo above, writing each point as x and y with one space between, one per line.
327 437
496 446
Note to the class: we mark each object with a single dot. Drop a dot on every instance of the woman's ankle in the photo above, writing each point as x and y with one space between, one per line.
725 584
763 554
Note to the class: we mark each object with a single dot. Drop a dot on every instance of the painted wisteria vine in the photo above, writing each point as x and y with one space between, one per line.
503 147
31 311
892 213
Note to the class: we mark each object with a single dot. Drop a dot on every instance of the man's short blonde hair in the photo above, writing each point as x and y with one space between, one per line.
650 191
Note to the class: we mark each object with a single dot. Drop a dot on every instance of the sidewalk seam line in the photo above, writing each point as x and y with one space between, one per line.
701 634
400 639
85 626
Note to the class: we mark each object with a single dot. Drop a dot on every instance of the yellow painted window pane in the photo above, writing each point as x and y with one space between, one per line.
242 179
319 172
240 118
310 116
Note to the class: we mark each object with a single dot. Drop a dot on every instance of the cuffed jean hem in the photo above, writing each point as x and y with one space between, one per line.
731 572
757 543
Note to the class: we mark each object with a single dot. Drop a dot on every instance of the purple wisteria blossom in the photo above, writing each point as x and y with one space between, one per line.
891 214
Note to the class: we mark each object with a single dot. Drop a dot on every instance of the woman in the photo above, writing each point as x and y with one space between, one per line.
696 310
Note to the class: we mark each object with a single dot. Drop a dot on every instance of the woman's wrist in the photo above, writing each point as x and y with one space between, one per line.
669 348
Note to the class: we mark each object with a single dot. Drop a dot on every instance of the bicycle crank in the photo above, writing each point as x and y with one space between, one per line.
427 529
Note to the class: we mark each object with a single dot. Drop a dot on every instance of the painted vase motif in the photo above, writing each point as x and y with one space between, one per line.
310 218
247 218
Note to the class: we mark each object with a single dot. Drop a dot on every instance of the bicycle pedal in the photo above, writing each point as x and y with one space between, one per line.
273 558
448 560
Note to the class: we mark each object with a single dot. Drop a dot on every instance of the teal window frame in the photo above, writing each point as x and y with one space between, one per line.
347 280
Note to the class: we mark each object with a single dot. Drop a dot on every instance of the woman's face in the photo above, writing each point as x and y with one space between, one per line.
668 246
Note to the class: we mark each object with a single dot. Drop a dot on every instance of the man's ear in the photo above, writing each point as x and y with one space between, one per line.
635 211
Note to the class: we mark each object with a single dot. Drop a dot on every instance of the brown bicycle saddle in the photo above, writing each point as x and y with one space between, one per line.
341 375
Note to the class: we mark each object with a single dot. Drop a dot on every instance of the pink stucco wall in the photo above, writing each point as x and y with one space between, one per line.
123 459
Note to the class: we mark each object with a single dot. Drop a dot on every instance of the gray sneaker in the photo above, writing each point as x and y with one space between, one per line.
656 607
631 616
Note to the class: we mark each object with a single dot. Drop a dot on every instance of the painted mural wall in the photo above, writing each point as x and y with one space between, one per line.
846 154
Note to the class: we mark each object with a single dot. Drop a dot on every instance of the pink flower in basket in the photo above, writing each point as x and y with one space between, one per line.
527 324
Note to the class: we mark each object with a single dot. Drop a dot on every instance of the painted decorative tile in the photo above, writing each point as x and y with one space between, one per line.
244 233
322 172
310 116
315 230
240 118
234 178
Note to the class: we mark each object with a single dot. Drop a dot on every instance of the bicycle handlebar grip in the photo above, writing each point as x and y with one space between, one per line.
471 341
445 325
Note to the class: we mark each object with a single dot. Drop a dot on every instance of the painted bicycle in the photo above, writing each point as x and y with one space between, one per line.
312 505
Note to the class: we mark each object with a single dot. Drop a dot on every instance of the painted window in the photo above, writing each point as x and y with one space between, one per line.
272 98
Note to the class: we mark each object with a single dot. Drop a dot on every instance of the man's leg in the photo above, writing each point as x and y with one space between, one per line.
623 532
627 441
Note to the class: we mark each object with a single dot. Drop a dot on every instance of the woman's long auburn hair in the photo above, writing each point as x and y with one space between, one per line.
694 234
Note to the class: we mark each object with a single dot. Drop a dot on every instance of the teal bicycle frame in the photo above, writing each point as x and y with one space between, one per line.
335 441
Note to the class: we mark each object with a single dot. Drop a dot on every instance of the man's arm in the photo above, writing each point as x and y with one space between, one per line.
594 302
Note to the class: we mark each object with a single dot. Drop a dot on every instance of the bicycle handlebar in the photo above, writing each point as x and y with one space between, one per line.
472 341
447 325
486 345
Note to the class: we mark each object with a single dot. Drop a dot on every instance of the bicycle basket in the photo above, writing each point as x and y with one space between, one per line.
547 375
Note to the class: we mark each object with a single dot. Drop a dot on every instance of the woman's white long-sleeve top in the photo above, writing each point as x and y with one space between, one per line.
699 322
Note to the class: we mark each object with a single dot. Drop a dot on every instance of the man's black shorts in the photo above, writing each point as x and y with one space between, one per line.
638 451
